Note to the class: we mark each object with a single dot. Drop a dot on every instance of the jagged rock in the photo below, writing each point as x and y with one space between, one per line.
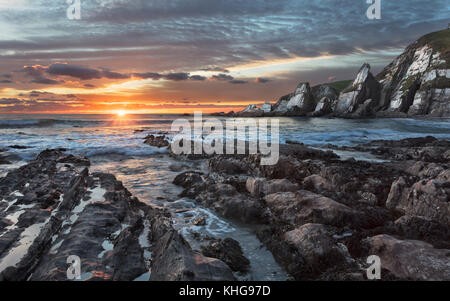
280 108
84 215
188 178
365 109
410 259
224 199
318 184
303 101
174 260
315 251
306 207
427 198
230 252
321 91
157 141
260 186
77 160
266 107
323 107
417 81
420 228
364 87
251 111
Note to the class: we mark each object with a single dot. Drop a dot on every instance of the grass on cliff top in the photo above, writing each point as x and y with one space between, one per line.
439 41
340 85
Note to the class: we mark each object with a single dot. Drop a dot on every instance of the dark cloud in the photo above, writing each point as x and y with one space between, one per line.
238 82
149 75
221 77
114 75
5 81
76 71
177 76
197 77
261 80
37 75
9 101
216 69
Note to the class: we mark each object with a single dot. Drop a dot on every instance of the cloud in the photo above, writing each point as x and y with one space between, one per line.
177 76
197 77
238 82
9 101
261 80
5 81
222 77
81 72
181 76
215 69
37 75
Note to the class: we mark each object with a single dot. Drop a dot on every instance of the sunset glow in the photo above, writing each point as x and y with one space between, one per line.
156 57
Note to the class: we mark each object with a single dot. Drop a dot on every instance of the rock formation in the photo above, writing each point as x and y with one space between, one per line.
416 83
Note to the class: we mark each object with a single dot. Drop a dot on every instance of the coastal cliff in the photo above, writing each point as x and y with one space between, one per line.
416 83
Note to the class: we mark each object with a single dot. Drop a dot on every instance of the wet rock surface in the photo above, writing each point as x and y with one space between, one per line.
229 251
157 141
317 213
51 210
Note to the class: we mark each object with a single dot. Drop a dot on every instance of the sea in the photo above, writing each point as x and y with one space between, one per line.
114 144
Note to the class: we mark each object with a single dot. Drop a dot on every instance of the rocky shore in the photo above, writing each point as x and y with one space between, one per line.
322 216
53 208
319 215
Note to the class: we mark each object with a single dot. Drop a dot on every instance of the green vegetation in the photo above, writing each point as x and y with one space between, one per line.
439 41
410 81
440 82
340 85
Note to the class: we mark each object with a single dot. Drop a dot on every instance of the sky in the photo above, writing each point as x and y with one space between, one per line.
181 56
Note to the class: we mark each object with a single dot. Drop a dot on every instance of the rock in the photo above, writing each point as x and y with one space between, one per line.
318 184
266 107
420 228
224 199
174 260
364 87
280 108
316 251
200 221
157 141
410 259
251 111
77 160
427 198
230 252
228 165
306 207
302 102
188 179
323 107
324 91
260 186
84 216
417 82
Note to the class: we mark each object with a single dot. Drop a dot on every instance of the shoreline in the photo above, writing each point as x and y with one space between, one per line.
311 199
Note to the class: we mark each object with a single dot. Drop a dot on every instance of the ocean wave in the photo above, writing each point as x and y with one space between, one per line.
137 152
28 123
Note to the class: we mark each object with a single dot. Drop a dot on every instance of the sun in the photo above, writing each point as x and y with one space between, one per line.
121 113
